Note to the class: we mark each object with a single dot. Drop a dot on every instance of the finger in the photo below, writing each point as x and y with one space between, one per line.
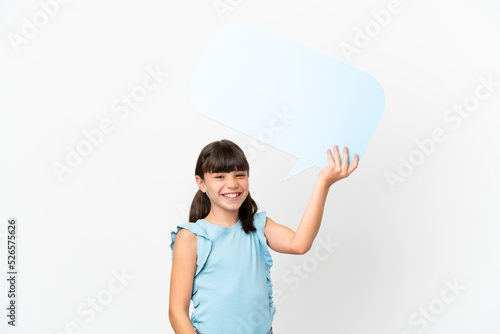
336 153
354 165
330 157
345 159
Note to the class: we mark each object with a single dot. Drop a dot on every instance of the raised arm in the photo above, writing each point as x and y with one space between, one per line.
181 282
284 240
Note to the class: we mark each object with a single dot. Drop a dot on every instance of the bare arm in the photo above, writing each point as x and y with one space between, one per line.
284 240
181 281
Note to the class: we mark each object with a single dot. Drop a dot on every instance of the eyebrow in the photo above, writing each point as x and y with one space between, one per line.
236 171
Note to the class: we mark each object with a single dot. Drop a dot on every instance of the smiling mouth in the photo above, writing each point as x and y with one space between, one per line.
232 196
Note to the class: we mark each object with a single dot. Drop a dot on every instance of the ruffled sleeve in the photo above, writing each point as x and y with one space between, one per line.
203 243
260 224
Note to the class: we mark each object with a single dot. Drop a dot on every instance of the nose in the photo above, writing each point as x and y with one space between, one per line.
232 182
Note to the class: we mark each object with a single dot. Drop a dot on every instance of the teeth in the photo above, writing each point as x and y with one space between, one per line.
232 195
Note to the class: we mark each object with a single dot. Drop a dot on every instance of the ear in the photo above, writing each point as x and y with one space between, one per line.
201 183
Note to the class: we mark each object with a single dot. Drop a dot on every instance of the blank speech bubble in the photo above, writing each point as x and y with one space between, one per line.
250 79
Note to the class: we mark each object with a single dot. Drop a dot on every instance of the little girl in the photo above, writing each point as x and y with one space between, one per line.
220 258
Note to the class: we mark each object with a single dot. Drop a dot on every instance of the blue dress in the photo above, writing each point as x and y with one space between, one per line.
232 289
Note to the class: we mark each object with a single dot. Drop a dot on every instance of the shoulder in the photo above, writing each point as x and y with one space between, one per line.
262 221
190 229
269 224
185 235
191 241
259 219
271 228
185 240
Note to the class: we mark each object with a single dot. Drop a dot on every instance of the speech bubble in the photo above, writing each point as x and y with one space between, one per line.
247 75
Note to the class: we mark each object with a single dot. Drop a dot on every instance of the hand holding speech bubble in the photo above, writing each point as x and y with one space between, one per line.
253 80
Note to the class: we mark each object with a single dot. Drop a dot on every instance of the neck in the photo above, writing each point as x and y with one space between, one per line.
224 218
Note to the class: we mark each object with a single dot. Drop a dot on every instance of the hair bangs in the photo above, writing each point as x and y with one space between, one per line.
226 160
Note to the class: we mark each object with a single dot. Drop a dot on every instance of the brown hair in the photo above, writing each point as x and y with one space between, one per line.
222 156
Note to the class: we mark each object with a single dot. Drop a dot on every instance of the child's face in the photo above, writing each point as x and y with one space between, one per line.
222 188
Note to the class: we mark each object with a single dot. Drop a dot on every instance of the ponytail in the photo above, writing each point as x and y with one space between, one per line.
200 207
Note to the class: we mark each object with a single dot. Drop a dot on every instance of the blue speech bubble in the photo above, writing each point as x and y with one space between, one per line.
289 96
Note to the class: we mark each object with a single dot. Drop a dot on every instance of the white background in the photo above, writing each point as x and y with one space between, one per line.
114 212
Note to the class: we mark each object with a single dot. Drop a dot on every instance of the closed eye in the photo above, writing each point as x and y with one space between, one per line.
238 175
